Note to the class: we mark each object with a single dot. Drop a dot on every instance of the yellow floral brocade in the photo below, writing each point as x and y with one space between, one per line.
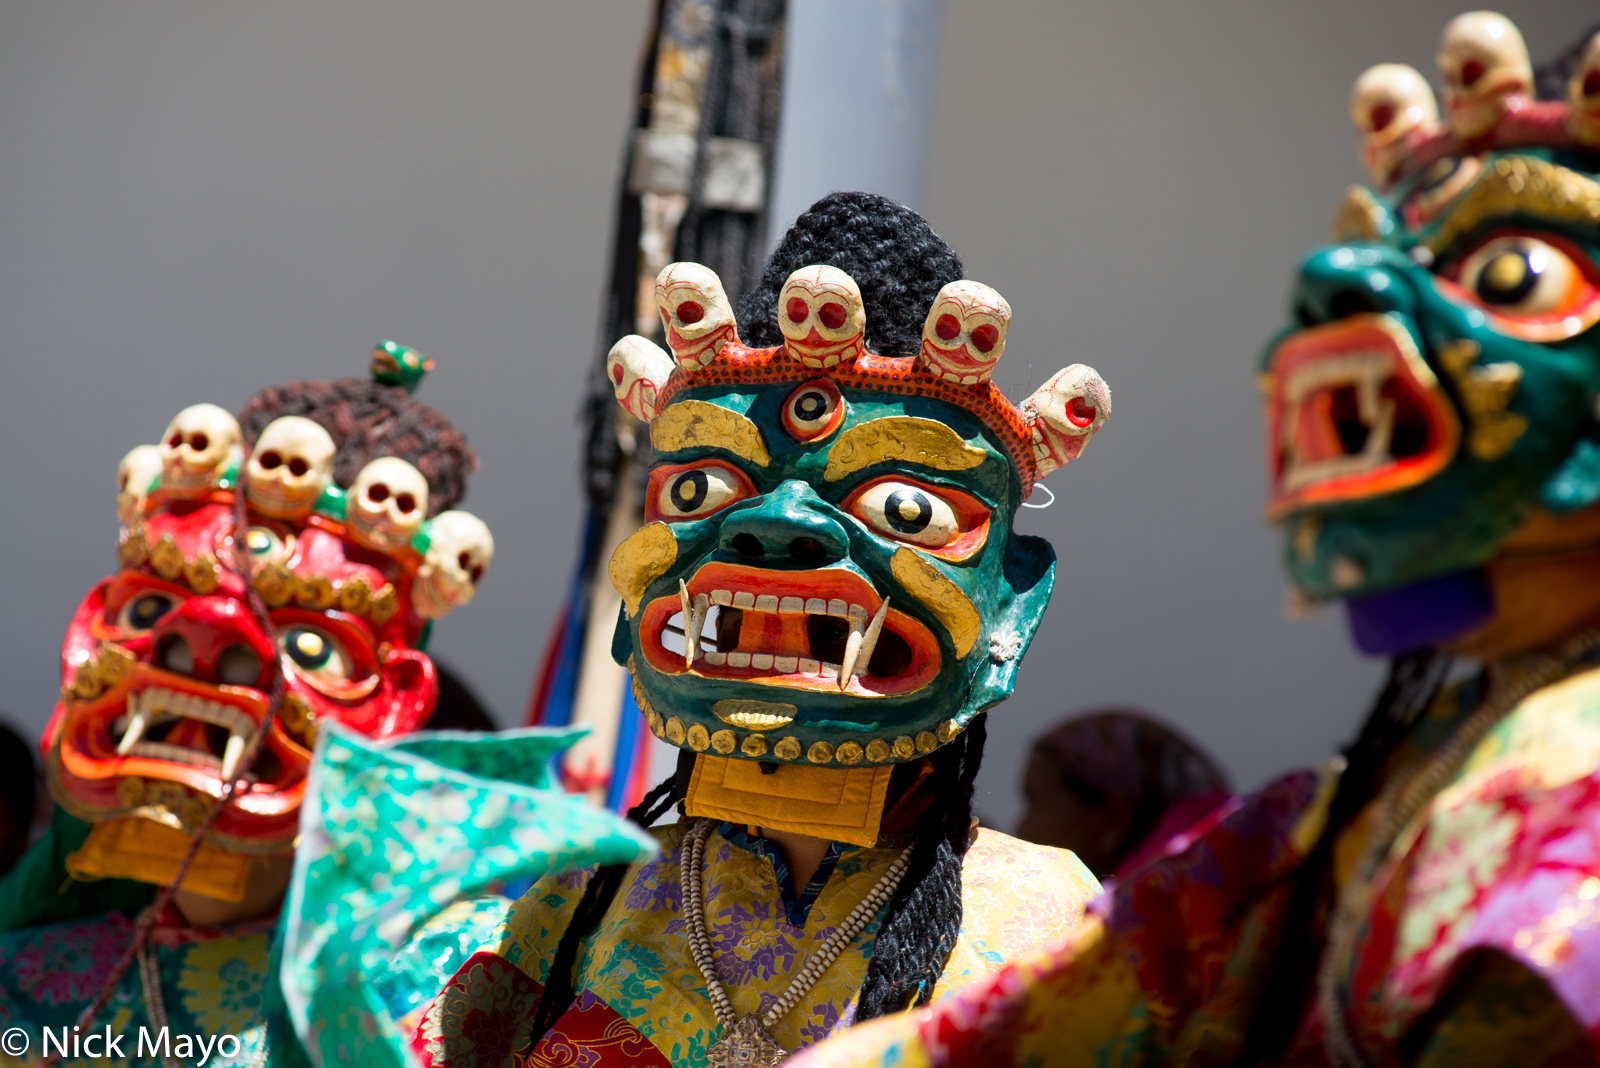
1016 897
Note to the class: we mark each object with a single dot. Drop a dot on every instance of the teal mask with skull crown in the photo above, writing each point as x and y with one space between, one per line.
827 574
1439 386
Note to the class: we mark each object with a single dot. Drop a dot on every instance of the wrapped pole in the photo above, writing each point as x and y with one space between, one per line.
711 161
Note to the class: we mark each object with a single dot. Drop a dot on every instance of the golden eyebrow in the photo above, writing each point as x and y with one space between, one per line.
1524 184
900 437
690 424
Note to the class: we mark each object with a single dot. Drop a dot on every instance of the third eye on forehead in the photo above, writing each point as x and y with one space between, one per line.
810 405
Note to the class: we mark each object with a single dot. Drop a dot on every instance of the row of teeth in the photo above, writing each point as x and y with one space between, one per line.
788 665
158 704
858 648
178 754
1367 371
811 606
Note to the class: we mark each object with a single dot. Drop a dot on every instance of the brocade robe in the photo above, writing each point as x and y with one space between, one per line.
212 981
642 1001
406 847
1480 942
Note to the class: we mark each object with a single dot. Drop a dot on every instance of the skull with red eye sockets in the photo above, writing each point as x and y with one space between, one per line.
1583 94
940 520
964 335
1484 62
695 313
387 503
1537 287
1393 107
821 316
813 411
638 368
290 466
460 550
1064 413
200 443
136 473
694 490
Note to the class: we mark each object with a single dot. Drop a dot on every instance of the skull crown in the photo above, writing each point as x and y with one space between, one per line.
823 320
287 475
1488 98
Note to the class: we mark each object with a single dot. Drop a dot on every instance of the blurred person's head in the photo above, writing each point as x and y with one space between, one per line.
18 794
1104 783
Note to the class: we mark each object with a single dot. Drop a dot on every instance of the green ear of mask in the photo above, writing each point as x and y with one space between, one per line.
622 640
1030 575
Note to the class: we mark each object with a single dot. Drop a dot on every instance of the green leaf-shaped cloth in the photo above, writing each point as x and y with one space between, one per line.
394 833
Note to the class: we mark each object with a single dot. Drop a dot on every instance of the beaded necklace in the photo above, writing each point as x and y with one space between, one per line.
747 1040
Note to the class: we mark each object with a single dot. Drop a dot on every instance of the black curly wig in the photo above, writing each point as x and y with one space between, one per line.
892 253
366 420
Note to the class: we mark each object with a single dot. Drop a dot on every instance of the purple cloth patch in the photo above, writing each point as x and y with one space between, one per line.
1422 614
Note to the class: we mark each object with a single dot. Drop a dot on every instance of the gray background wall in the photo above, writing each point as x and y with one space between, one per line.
197 199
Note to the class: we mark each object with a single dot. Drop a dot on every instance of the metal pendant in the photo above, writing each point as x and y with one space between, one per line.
745 1043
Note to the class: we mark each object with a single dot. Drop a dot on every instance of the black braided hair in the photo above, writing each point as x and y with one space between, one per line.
892 253
1413 680
918 931
924 917
367 420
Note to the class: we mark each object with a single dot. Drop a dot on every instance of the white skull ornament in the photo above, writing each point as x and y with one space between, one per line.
638 368
1064 413
822 317
965 333
291 465
1393 107
460 549
1484 62
136 472
1583 95
695 311
386 505
200 444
